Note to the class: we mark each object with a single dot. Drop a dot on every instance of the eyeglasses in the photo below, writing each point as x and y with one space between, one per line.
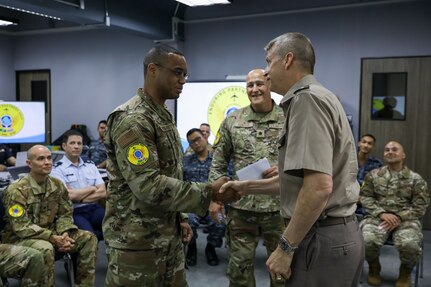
195 141
179 73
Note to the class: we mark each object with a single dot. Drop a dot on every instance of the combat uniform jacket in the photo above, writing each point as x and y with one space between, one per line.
403 193
145 191
35 211
247 137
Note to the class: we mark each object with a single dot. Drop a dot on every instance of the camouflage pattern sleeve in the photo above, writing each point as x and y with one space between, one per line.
420 199
148 155
64 221
369 197
222 150
16 207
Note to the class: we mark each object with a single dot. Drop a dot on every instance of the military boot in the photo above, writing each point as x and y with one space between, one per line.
404 277
191 256
374 273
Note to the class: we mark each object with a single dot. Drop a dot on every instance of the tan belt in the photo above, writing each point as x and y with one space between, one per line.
329 221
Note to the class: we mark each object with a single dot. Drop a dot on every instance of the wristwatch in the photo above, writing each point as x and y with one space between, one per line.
286 246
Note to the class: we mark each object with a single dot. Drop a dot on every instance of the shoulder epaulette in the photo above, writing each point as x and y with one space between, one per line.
301 89
58 163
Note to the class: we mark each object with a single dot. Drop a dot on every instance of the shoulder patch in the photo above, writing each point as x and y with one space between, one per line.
138 154
301 89
126 138
58 163
16 210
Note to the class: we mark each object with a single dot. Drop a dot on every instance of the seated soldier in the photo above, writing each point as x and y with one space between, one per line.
6 157
23 263
366 162
196 168
39 215
97 151
84 184
396 199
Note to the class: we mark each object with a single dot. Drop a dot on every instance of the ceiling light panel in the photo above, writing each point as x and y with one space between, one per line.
30 12
193 3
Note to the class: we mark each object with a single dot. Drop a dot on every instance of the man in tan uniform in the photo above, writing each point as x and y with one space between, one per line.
322 244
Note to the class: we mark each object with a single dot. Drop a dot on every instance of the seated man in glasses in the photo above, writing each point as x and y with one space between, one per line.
206 132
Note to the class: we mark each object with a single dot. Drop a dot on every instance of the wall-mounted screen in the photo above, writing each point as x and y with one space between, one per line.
209 102
22 122
389 96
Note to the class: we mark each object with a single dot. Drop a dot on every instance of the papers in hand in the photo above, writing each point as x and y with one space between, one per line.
253 171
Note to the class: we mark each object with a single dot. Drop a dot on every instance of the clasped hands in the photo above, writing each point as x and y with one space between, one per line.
63 242
389 222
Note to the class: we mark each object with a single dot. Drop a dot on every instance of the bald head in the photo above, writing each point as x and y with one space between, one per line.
35 150
258 91
256 73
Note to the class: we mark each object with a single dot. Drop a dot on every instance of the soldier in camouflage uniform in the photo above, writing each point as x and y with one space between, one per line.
23 263
143 224
396 199
39 215
248 135
196 168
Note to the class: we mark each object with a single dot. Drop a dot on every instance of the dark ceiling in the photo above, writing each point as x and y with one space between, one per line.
149 18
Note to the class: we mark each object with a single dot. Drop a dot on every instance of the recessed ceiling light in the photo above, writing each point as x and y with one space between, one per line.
193 3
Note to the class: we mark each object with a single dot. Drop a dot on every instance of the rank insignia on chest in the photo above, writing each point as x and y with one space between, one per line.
260 133
16 210
137 154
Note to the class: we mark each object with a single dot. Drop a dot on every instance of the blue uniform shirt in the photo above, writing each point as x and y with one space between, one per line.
81 176
372 163
196 170
97 152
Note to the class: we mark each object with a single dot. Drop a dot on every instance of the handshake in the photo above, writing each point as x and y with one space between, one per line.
227 194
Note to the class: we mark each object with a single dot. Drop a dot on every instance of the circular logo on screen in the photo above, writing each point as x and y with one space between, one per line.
11 120
137 154
224 102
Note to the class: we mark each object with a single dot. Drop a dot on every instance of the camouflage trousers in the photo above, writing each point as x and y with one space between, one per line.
153 267
244 228
22 263
407 238
216 231
86 248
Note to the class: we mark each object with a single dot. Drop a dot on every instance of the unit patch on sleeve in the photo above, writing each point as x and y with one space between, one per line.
137 154
16 210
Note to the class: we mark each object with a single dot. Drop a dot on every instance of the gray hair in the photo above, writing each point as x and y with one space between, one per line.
296 43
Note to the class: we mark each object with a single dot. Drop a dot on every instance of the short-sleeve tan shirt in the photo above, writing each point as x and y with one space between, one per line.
317 136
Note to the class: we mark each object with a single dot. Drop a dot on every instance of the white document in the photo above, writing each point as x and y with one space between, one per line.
253 171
